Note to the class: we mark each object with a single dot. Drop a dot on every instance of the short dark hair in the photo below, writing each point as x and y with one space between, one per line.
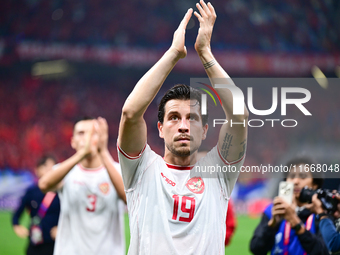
83 118
41 161
318 178
181 92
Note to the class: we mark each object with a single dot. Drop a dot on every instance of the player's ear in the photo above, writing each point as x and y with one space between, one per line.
205 131
160 129
73 143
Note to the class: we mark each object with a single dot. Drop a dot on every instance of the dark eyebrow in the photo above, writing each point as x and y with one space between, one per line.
172 112
194 115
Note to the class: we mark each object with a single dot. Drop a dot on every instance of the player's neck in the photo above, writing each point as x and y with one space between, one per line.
91 162
179 161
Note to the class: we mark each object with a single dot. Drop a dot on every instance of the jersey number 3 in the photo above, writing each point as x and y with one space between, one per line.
92 199
190 210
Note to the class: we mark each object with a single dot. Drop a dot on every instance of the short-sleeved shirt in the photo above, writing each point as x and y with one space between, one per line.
91 217
175 209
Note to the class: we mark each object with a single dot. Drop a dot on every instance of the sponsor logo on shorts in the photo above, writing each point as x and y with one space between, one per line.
195 185
168 180
104 187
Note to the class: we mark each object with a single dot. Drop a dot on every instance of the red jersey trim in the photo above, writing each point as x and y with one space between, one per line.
178 167
90 169
226 162
130 157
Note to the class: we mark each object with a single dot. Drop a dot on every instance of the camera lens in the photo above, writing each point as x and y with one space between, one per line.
306 195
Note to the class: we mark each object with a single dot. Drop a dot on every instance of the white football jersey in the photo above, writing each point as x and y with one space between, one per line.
91 219
173 209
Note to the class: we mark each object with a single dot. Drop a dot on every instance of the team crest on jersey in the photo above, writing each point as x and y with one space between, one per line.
104 187
195 185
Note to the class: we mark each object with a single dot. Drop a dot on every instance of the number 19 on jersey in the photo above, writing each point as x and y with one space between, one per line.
183 201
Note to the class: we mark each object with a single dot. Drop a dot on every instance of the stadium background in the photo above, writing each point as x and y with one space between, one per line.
63 59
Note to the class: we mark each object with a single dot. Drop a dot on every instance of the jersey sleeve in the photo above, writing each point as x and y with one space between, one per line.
224 171
133 167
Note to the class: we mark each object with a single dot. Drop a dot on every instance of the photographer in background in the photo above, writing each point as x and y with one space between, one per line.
290 228
327 228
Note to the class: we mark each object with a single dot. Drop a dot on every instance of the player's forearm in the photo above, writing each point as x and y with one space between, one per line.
148 86
218 75
115 177
232 139
51 179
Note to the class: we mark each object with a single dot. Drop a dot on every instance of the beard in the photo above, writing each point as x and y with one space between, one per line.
181 151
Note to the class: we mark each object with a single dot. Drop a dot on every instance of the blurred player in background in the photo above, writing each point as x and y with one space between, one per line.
290 228
172 208
44 213
90 188
230 223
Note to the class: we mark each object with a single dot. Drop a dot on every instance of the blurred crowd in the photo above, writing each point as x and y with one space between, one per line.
37 117
249 25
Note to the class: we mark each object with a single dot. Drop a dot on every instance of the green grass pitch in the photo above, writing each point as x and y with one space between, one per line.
10 244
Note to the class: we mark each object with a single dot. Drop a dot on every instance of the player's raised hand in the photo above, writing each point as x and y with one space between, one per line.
206 18
90 141
103 133
178 42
